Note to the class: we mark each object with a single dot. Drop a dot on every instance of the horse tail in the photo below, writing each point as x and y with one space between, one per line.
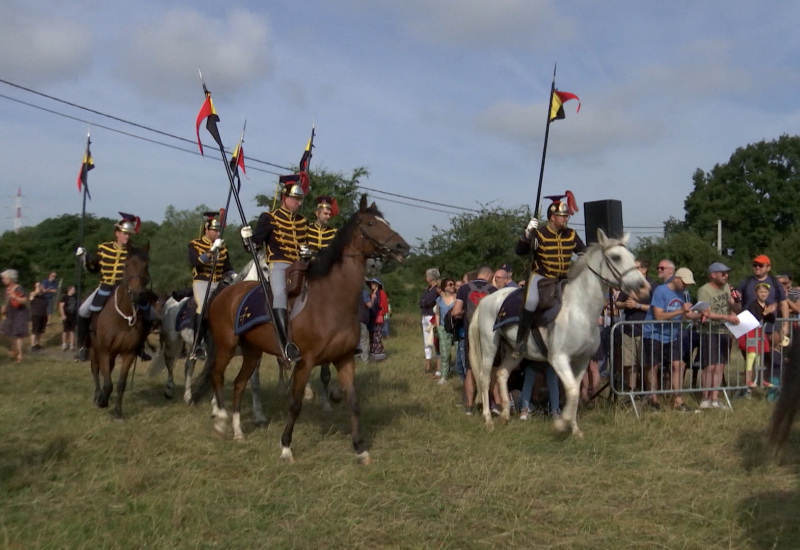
159 364
789 400
476 353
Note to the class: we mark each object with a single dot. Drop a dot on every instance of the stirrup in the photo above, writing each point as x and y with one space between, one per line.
292 352
199 354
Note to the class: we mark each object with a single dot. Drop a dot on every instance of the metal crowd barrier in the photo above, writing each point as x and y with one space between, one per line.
637 371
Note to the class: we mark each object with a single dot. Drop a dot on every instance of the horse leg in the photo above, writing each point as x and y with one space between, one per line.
169 362
104 365
255 388
298 379
569 416
122 382
325 379
250 355
346 371
96 376
508 364
283 367
222 357
188 373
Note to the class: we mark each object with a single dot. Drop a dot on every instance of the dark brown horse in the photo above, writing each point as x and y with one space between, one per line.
119 329
326 330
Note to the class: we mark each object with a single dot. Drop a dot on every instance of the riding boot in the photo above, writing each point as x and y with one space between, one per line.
282 324
82 338
199 351
142 351
524 328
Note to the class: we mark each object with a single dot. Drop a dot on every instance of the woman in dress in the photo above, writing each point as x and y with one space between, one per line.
15 309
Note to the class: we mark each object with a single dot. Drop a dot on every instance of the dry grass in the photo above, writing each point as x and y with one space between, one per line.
72 477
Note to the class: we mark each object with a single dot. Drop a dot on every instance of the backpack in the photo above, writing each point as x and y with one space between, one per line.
474 296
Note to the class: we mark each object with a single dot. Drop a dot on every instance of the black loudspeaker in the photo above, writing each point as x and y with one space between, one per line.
605 215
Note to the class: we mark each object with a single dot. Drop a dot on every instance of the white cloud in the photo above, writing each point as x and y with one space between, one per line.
162 58
36 48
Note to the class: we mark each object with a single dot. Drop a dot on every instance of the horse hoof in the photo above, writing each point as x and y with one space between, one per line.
560 424
168 393
286 455
335 395
490 425
260 422
238 438
364 458
308 395
326 407
577 434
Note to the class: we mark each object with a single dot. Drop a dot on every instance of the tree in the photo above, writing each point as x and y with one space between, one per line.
756 194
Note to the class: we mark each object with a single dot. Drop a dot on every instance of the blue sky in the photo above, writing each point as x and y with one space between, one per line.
443 100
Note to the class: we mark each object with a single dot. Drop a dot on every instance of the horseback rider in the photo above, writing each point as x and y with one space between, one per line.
283 233
208 256
109 261
319 234
551 249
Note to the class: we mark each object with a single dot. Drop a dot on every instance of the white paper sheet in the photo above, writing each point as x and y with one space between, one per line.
747 322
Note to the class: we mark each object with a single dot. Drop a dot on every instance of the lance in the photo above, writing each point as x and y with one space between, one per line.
83 177
211 126
544 150
223 222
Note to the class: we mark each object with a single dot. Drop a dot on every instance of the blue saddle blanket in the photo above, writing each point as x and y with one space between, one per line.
185 317
252 311
511 308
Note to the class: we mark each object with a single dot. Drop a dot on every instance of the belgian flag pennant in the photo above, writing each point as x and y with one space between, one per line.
86 165
557 105
209 114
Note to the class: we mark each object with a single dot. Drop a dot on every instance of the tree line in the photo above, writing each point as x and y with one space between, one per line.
756 194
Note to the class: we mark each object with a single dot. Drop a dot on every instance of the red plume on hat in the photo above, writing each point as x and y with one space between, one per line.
137 222
572 205
329 202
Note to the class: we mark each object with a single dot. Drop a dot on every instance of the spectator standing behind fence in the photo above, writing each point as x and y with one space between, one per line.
630 356
379 305
444 303
426 304
756 342
68 309
777 295
50 289
662 341
792 293
715 344
15 309
665 270
38 303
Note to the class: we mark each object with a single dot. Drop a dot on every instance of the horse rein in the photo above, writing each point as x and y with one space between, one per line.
619 275
381 247
132 318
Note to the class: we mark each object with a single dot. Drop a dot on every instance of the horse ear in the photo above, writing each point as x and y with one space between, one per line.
601 236
373 205
625 238
363 205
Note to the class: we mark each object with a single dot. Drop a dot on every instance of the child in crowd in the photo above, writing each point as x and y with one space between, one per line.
68 308
755 342
38 303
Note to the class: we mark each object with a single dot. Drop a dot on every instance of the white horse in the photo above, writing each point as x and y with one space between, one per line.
173 343
571 339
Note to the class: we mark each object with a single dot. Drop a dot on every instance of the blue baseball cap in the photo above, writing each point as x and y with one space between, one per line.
718 267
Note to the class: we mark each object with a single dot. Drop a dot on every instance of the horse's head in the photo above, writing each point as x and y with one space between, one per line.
377 235
619 266
136 277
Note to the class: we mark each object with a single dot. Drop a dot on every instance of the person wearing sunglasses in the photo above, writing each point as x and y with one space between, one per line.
665 270
777 295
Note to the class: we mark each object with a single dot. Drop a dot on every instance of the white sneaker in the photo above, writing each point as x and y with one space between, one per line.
524 414
64 347
705 404
442 381
716 404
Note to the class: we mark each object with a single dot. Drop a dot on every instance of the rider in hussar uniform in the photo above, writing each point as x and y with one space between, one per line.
319 234
208 256
551 249
283 233
109 261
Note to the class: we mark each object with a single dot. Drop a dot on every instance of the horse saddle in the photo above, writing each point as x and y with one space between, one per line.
550 293
185 316
252 310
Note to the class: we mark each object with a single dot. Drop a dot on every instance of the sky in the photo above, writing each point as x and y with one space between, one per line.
442 101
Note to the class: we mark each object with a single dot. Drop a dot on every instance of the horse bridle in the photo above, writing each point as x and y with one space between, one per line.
382 248
132 318
618 275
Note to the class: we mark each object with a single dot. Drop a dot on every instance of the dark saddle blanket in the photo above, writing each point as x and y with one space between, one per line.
550 291
185 317
252 310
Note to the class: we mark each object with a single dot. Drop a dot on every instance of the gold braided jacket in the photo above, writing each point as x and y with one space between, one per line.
319 237
202 271
282 233
552 252
110 262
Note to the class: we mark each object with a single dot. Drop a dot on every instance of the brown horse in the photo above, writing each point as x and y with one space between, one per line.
119 329
789 401
326 330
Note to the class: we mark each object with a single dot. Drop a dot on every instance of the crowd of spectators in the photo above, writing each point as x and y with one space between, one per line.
661 337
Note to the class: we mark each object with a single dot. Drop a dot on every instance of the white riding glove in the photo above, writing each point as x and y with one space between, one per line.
217 245
304 252
247 232
532 226
80 251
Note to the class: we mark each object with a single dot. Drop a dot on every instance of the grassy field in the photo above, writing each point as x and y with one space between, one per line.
71 477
